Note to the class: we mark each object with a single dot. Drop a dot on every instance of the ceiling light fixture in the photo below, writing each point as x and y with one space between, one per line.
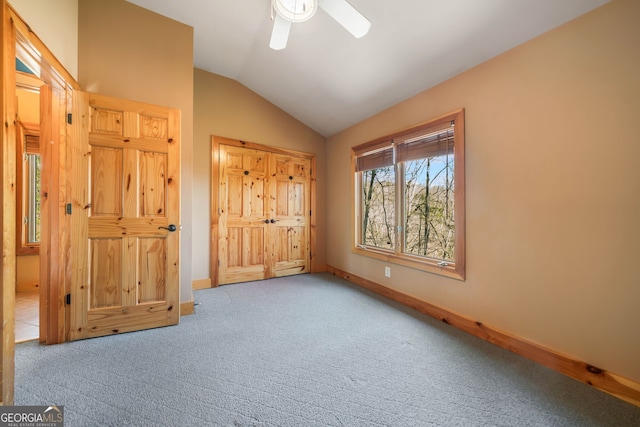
295 10
286 12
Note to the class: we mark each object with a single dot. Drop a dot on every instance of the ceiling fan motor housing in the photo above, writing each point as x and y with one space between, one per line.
295 10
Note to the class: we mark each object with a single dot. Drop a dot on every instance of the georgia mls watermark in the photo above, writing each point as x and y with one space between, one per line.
31 416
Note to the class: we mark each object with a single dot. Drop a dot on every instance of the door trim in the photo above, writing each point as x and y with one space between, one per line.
216 141
8 214
17 38
55 241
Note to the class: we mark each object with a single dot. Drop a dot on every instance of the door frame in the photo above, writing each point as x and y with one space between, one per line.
8 212
20 41
55 104
216 141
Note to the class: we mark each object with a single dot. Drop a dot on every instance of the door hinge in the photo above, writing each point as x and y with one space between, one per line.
68 299
218 263
69 118
68 209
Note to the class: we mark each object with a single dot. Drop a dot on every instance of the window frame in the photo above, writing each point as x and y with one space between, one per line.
24 130
455 269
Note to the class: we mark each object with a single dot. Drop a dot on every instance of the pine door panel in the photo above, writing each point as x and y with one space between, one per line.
290 203
152 184
106 264
151 265
106 169
125 272
242 238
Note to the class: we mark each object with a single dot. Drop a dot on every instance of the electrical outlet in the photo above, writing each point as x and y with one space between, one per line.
387 271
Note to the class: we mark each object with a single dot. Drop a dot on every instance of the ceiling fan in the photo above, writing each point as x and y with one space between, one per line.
288 12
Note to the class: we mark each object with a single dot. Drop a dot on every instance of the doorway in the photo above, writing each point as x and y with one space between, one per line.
28 220
42 243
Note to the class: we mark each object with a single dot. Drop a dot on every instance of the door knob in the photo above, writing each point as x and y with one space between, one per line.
273 221
266 221
171 228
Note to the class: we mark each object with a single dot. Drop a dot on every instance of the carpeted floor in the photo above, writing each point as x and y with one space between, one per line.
310 350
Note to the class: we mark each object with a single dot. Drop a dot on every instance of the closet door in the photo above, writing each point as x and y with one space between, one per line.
264 214
243 215
289 208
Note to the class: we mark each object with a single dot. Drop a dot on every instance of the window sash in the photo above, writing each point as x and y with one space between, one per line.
388 207
436 236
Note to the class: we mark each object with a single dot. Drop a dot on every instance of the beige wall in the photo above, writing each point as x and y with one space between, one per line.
553 190
28 106
56 23
27 272
226 108
129 52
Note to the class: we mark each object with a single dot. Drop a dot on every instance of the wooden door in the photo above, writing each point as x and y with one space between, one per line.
264 210
125 167
243 219
290 208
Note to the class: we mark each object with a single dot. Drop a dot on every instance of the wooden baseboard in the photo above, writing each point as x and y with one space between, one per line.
608 382
201 284
320 269
187 308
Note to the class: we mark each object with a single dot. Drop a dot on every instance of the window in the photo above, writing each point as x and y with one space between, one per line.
28 207
409 197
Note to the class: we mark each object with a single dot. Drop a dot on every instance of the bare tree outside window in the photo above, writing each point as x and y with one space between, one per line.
378 186
429 211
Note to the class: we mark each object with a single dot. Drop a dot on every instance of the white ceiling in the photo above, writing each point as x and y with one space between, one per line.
330 80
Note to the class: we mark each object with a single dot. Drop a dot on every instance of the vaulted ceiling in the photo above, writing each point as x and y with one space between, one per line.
330 80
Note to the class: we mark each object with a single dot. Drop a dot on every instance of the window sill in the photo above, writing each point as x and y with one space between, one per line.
417 263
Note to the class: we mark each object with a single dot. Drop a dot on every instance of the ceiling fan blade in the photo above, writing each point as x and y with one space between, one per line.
347 16
280 33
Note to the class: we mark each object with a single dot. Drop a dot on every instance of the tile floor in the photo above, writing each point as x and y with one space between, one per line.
27 316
